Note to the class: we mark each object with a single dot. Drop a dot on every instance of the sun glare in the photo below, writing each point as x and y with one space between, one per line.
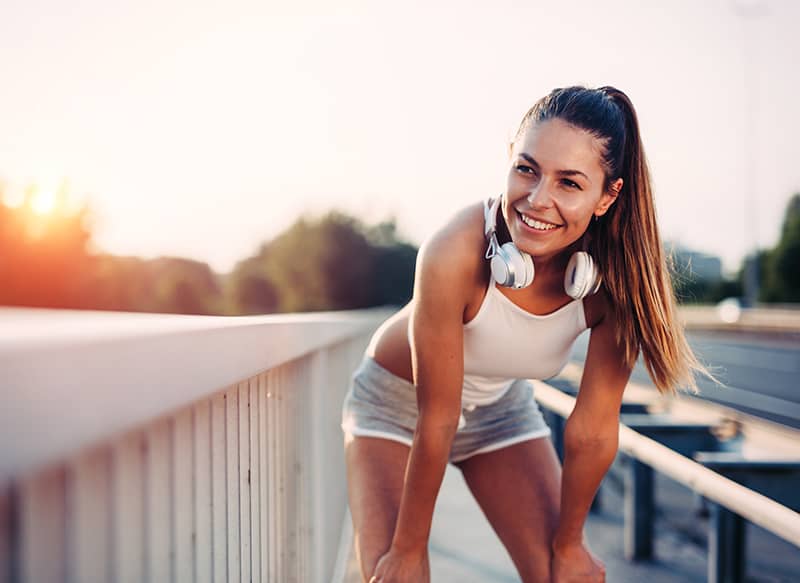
13 197
44 201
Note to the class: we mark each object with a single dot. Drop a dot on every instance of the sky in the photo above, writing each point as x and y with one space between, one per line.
202 129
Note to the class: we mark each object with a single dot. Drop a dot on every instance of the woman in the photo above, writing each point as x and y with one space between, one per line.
439 381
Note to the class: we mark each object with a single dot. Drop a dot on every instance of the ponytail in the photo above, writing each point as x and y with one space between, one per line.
635 270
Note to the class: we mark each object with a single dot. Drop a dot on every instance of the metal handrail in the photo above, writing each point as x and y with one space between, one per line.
749 504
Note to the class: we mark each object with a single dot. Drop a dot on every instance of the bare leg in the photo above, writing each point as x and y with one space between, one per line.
375 474
518 488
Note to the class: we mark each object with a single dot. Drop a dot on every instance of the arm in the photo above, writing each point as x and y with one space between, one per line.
437 354
591 434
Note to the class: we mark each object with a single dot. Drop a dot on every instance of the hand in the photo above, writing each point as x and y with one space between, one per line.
575 564
402 567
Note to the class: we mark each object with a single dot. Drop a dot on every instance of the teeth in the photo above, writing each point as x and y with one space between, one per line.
537 224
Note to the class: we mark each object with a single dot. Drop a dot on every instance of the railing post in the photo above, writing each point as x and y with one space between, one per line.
319 376
639 510
726 546
9 538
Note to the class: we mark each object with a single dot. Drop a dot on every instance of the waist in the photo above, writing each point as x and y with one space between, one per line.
476 390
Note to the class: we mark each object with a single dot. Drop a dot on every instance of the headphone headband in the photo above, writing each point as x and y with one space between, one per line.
490 215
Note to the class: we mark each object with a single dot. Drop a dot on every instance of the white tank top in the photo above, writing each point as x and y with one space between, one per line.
503 342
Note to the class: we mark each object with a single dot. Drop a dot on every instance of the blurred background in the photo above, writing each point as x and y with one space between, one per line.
259 157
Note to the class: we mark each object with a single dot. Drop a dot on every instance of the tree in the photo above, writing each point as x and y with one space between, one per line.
332 263
781 271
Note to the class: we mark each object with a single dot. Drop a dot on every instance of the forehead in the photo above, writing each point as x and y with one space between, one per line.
557 145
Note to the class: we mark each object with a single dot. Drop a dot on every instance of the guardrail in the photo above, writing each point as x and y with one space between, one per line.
726 493
173 448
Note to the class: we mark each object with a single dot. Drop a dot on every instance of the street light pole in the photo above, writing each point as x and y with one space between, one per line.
750 11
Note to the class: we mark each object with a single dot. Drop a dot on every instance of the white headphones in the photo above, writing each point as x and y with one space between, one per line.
514 268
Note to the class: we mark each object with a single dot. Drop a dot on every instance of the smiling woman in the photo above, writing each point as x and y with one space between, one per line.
554 187
573 245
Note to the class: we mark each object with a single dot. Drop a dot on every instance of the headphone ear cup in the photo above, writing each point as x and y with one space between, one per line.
512 267
581 278
529 269
500 270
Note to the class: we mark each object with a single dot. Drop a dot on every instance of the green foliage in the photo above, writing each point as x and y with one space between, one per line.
332 263
781 270
167 284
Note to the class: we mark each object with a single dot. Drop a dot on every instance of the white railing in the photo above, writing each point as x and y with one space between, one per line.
140 447
753 506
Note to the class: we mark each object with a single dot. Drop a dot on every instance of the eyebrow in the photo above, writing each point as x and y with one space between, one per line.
561 172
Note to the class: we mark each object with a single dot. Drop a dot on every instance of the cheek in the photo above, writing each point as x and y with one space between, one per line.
512 179
578 212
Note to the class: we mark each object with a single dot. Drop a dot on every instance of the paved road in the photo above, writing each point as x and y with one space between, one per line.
761 373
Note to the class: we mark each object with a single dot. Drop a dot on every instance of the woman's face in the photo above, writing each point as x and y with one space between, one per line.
555 187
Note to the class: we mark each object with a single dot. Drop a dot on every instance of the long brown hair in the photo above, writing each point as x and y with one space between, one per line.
625 241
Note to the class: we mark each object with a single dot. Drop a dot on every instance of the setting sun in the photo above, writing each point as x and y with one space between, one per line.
43 201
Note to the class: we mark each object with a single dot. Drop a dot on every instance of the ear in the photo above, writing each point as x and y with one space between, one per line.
608 198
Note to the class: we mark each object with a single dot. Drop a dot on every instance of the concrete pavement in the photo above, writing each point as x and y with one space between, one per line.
464 548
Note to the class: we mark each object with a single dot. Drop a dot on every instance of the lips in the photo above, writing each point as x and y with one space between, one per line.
537 225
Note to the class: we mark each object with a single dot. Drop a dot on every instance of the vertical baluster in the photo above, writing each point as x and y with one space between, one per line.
265 516
183 495
233 499
255 491
89 526
159 506
280 480
219 487
275 541
244 481
7 532
43 526
128 500
203 480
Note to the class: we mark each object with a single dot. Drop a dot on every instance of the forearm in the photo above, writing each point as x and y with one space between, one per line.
425 471
586 461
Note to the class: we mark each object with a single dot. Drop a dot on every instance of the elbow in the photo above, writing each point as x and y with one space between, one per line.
600 439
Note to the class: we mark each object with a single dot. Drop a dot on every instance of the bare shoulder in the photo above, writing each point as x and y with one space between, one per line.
450 263
457 247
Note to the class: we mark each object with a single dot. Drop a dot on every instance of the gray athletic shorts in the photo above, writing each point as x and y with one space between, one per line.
381 404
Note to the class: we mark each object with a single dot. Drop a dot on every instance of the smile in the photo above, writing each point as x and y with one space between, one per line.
536 225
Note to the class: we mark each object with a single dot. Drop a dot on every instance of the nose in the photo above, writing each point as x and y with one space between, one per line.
539 196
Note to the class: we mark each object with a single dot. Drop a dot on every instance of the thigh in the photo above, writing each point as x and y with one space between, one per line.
518 488
375 475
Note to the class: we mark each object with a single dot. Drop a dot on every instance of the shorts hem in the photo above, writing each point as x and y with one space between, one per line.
357 432
504 443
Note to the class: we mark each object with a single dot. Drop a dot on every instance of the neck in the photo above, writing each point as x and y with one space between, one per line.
552 266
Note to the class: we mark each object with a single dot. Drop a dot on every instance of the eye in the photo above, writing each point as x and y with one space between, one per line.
570 183
524 169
